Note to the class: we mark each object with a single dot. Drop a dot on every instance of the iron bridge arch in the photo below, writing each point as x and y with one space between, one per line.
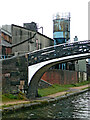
41 60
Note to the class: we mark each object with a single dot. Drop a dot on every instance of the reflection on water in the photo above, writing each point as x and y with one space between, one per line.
73 107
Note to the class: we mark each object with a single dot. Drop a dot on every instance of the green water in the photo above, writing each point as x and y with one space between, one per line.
73 107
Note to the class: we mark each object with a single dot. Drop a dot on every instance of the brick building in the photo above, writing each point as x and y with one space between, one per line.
5 44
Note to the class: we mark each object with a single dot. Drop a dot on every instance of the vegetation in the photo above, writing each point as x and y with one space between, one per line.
11 97
59 88
42 92
82 83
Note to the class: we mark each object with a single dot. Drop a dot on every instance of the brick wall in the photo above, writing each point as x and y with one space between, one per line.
60 77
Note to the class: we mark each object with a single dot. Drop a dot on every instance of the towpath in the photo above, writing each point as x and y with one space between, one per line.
73 89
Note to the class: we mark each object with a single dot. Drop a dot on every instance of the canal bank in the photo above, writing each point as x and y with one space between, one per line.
42 101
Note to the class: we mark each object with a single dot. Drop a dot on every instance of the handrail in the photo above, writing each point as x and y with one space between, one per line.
79 42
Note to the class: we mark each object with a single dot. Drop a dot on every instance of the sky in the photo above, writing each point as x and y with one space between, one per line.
41 11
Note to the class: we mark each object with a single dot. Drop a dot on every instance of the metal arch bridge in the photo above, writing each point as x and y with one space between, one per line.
40 60
57 51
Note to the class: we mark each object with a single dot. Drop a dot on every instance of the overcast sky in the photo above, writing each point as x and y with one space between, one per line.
41 11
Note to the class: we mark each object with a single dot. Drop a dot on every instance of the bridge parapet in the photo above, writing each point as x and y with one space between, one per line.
58 51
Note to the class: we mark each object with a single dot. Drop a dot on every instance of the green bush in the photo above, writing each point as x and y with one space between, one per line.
11 97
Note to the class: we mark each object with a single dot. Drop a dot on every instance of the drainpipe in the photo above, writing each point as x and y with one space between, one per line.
41 28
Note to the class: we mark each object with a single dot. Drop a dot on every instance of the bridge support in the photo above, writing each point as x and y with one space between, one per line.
41 68
33 84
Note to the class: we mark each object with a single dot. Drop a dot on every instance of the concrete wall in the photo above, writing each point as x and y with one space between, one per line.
7 28
88 70
80 65
20 34
82 76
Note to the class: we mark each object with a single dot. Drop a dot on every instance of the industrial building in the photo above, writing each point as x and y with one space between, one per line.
24 39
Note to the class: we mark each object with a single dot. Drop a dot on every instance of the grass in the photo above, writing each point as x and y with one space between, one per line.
42 92
82 83
51 90
11 97
59 88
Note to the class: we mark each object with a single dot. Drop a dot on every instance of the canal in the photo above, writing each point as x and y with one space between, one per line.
73 107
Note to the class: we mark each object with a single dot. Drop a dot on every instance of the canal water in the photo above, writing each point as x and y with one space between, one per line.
73 107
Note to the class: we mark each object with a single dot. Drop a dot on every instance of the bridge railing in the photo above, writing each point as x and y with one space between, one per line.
58 51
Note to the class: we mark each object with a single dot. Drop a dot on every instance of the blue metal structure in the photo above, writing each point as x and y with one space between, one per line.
61 31
61 28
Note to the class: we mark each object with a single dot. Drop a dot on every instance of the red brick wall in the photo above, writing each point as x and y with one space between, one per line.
60 77
9 40
6 37
8 51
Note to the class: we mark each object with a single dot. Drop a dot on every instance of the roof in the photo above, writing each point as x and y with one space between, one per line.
32 31
6 32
